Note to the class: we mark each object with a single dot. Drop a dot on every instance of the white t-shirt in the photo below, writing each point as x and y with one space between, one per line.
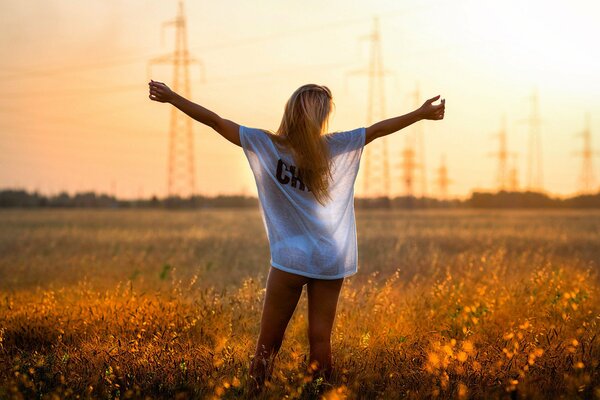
305 237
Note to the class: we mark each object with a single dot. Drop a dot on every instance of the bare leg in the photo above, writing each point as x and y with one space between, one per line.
322 303
283 292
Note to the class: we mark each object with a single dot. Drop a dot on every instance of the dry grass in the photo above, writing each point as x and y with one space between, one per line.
462 304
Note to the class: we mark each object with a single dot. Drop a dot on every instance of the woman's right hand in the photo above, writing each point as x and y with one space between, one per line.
433 111
160 92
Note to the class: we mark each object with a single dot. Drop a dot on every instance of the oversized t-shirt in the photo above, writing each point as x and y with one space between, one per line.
305 237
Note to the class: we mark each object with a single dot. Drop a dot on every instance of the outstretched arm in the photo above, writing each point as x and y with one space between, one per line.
226 128
427 111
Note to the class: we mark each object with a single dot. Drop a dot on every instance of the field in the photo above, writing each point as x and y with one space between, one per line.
447 304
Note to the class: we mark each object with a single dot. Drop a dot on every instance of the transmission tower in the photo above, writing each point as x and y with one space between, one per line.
534 158
408 165
181 177
502 176
513 174
376 173
420 143
113 188
442 180
586 177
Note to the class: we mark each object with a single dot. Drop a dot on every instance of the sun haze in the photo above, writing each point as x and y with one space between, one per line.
75 113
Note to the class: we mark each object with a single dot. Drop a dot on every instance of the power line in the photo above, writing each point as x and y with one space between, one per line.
217 80
43 71
76 91
36 72
32 72
314 28
79 121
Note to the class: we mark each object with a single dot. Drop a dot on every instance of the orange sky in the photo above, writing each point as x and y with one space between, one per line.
75 115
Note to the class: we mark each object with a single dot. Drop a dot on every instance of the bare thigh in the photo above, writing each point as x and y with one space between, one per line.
322 304
282 295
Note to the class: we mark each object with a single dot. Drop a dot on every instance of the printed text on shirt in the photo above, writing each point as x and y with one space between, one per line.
288 174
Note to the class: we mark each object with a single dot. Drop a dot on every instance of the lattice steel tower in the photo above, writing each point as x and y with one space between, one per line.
408 164
419 144
586 178
411 158
502 175
513 174
376 175
442 180
534 157
181 174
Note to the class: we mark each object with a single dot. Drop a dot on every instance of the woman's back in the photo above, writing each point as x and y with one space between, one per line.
307 238
312 235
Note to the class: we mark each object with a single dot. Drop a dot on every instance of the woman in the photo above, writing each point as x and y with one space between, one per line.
305 181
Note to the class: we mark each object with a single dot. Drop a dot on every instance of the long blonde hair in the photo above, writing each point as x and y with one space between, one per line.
305 119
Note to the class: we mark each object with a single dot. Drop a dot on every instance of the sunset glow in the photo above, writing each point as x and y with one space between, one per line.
75 114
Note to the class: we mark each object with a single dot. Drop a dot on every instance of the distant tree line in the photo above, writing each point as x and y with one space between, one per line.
502 199
22 198
531 200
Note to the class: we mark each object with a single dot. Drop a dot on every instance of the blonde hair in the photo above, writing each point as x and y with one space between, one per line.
305 119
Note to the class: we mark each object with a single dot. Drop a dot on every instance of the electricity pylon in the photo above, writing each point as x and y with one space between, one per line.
586 178
419 144
534 157
502 175
376 173
408 166
442 180
181 174
513 174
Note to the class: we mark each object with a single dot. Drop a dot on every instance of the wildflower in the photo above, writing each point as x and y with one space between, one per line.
539 351
462 390
336 394
525 325
447 349
433 359
467 346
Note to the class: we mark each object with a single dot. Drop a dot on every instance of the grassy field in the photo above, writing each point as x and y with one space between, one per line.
448 304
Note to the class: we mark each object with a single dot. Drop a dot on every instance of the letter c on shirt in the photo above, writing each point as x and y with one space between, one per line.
283 179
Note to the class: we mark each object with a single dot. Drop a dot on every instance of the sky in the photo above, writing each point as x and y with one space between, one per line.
75 114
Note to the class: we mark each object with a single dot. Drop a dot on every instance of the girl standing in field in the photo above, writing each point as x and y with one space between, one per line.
305 180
